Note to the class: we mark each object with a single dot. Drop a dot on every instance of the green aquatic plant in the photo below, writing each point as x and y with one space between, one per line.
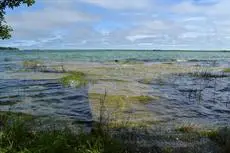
118 112
209 133
74 79
226 70
122 99
147 80
144 99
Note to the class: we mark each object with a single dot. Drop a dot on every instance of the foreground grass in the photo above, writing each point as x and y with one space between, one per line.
219 136
17 137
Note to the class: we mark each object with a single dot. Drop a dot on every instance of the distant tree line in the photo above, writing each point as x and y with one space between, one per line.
8 48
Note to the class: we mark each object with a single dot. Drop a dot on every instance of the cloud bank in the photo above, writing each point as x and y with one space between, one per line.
119 24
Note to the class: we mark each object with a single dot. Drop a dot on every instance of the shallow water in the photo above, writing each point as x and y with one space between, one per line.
193 100
184 98
45 98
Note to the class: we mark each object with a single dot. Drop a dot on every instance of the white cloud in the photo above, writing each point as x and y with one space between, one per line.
121 4
137 37
47 18
186 7
219 8
141 24
42 25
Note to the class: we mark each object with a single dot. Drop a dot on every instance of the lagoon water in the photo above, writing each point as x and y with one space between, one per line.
182 97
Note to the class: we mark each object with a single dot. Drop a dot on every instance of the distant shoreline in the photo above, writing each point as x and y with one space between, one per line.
138 50
127 50
9 49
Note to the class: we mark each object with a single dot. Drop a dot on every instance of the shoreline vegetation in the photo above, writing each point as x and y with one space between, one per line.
9 49
77 49
154 50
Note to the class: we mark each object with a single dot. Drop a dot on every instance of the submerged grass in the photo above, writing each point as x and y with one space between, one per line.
74 79
226 70
144 99
123 100
122 111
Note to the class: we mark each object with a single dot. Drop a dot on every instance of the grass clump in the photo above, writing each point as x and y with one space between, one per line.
147 80
120 111
208 133
226 70
7 116
144 99
122 100
74 79
187 128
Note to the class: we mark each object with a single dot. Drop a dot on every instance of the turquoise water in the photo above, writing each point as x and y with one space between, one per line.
102 56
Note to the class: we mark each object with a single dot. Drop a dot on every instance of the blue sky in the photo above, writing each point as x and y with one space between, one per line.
121 24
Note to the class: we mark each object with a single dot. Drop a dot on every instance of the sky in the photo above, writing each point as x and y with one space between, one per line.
121 24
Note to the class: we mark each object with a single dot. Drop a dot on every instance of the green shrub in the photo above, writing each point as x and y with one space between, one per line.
74 79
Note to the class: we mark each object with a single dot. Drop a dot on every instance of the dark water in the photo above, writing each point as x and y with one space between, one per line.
193 99
45 97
